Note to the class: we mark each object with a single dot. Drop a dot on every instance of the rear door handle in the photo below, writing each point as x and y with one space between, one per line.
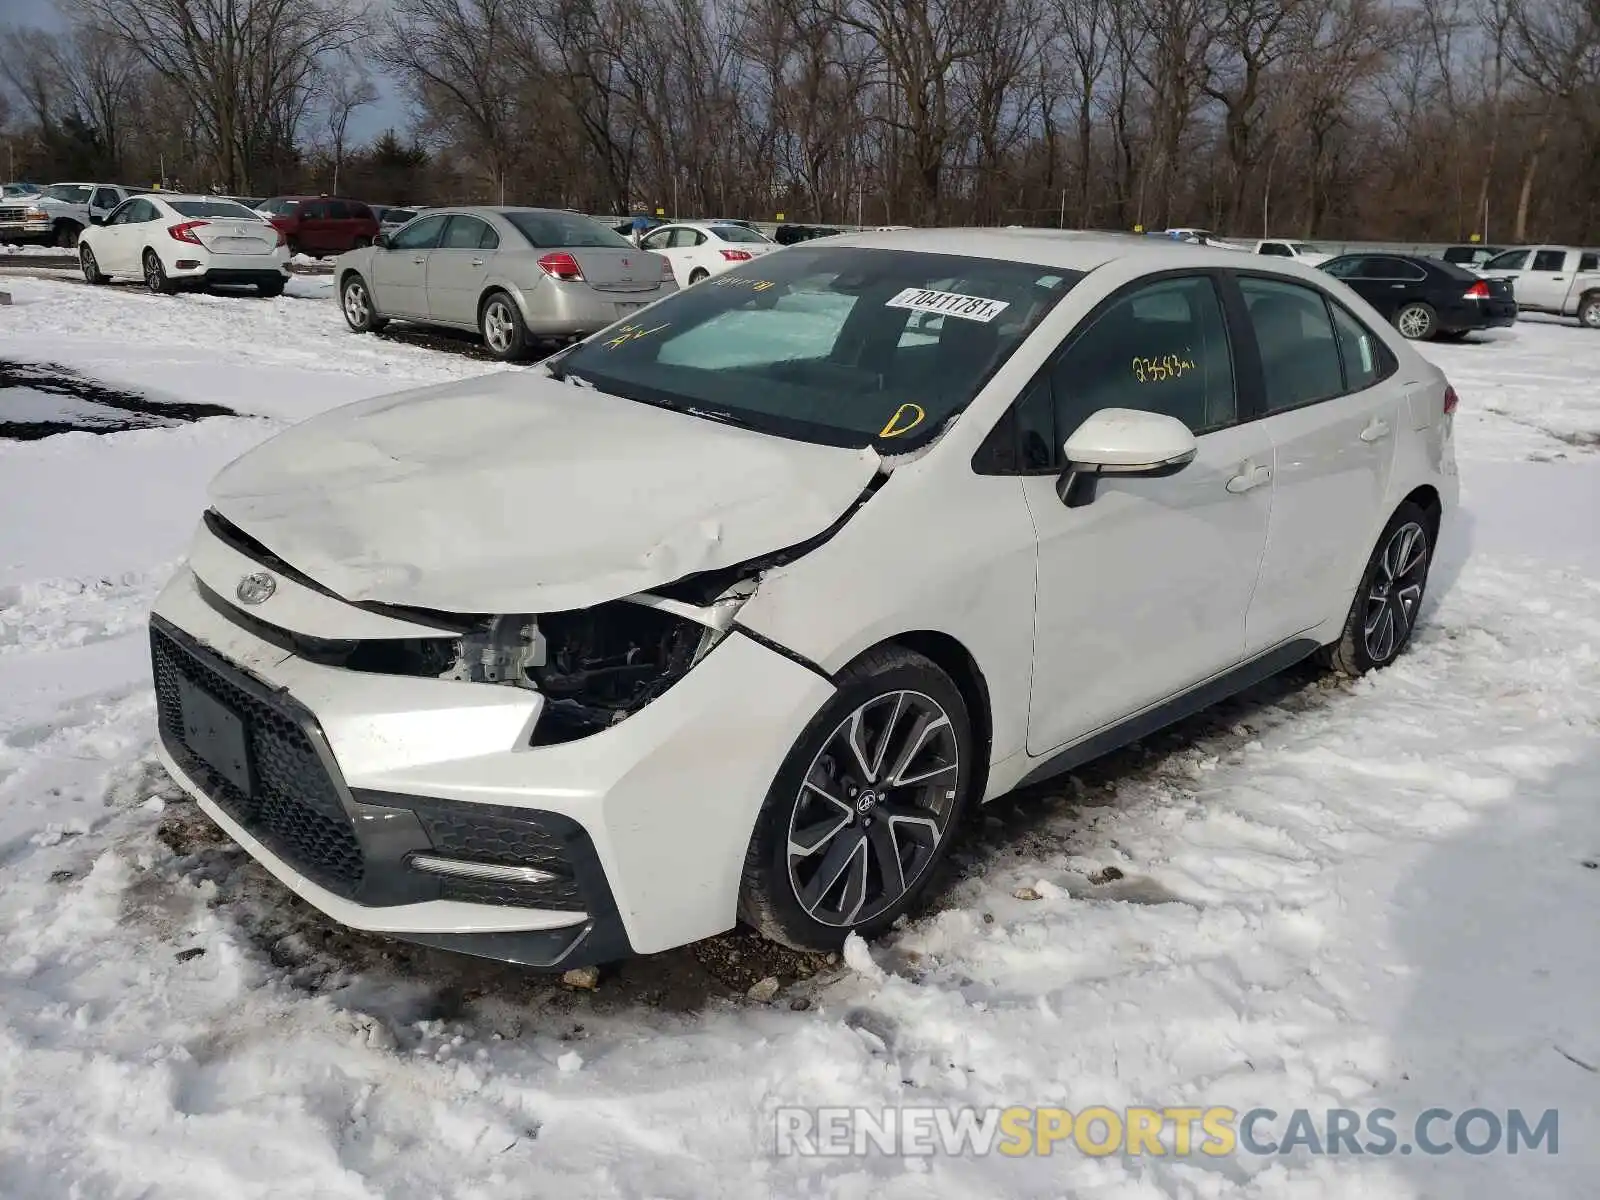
477 262
1376 431
1249 476
420 260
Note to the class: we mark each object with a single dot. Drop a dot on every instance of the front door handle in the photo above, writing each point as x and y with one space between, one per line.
1249 476
477 262
419 261
1376 431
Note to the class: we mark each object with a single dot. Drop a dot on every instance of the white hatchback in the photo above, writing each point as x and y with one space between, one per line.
171 241
736 608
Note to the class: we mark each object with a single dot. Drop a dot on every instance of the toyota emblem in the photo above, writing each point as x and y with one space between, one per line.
256 588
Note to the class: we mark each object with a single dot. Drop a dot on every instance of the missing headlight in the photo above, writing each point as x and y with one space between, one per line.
606 662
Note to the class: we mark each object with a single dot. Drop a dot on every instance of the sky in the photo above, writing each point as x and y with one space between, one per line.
365 124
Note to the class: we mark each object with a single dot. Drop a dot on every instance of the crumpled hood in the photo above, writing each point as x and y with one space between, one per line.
516 493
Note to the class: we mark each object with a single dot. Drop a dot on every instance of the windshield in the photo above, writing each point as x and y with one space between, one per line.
213 208
738 233
21 189
69 193
565 230
844 346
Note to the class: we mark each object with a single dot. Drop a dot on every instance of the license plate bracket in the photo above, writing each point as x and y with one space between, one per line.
216 735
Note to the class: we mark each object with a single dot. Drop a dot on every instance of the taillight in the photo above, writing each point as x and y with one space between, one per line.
736 255
1478 291
282 237
561 266
185 232
1450 400
666 269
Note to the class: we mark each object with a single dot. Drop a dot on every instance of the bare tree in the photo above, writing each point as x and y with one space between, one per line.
346 87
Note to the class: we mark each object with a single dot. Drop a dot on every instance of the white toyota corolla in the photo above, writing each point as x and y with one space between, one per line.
736 608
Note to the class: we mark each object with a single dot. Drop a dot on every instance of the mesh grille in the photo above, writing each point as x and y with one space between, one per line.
296 811
511 841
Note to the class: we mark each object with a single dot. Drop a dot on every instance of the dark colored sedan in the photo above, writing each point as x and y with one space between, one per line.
321 225
1426 298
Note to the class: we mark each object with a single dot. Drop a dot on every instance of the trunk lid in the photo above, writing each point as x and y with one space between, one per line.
515 493
226 236
618 270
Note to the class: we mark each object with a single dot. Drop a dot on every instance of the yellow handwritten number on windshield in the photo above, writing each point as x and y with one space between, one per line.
906 418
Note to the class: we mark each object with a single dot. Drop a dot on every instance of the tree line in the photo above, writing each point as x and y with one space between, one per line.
1405 119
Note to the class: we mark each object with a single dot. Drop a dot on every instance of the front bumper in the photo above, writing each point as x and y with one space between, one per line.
642 828
27 231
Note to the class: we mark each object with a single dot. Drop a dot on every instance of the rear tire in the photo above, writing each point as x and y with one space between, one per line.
356 302
1417 322
1453 335
1383 614
875 845
505 336
1589 310
268 289
91 267
155 275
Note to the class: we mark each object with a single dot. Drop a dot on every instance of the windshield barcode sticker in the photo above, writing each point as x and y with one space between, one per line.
950 304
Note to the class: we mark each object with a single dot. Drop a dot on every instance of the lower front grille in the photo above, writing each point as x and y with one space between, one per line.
295 809
512 838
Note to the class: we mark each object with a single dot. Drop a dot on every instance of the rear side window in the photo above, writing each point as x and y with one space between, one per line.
316 210
1277 250
1549 260
1299 356
1162 348
469 233
1366 359
1589 262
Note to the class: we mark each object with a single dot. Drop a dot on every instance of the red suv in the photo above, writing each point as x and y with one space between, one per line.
321 225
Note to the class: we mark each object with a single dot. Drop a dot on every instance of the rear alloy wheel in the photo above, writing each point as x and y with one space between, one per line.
155 275
500 321
1386 604
1417 322
356 302
864 807
1589 310
91 268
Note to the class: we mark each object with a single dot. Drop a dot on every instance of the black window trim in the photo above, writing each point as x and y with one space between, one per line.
1247 394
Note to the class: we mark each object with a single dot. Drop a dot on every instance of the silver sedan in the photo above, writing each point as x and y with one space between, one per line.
516 275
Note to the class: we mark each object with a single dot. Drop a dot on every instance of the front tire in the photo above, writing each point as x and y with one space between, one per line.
500 322
155 275
91 267
1417 322
1389 596
356 301
864 808
67 234
1589 310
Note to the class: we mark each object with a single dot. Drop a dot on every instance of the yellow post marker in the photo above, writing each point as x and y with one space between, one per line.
1475 239
780 216
661 212
1138 228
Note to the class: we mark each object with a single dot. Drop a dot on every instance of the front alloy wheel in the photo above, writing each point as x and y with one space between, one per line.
873 808
356 302
864 807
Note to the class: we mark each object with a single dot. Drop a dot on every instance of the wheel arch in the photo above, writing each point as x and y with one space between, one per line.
1427 498
956 661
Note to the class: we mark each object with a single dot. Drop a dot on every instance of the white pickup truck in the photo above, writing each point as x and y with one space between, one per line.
1561 280
1306 252
72 207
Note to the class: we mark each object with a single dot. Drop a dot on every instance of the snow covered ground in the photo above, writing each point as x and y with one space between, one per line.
1331 895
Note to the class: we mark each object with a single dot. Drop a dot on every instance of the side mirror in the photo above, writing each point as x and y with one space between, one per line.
97 219
1122 441
381 240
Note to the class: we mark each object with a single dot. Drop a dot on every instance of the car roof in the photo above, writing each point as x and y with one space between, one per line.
170 196
1070 249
